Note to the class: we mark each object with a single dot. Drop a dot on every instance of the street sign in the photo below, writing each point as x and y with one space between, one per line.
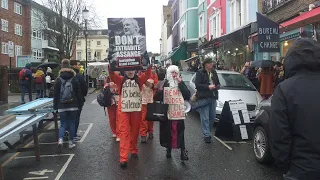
11 49
268 34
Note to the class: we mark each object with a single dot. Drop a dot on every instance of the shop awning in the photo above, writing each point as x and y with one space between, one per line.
179 54
302 20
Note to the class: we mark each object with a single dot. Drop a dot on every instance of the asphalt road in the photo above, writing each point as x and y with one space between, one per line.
96 157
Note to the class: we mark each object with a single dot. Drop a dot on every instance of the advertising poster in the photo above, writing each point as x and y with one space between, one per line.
127 43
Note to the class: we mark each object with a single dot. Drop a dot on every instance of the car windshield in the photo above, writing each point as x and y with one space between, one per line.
234 81
186 76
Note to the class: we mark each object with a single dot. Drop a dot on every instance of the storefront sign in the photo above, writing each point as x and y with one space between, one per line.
268 34
291 36
127 42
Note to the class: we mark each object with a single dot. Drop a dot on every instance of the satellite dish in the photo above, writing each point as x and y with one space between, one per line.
187 106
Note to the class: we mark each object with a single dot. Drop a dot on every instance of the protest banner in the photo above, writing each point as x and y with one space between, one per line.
174 98
127 43
131 98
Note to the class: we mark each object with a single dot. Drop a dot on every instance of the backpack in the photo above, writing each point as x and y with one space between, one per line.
104 98
66 91
39 80
48 79
22 74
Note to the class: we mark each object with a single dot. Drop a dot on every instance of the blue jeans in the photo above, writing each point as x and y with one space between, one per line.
26 89
207 116
67 121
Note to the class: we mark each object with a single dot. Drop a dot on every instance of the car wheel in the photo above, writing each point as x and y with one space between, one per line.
261 147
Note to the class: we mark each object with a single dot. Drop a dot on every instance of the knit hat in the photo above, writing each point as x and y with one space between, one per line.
49 70
65 63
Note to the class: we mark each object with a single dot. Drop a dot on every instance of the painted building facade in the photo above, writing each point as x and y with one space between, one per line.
217 14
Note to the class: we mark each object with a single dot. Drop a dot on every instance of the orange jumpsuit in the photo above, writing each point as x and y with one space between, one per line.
147 126
112 110
129 122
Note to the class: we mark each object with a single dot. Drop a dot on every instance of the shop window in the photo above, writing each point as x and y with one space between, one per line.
285 46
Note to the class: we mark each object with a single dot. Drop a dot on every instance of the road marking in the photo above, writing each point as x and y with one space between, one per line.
41 173
44 177
223 143
48 155
235 142
63 169
86 133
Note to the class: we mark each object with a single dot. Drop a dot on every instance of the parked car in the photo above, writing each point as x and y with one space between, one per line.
186 77
261 133
234 86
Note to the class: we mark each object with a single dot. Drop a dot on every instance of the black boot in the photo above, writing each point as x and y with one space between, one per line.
168 155
184 155
124 164
143 139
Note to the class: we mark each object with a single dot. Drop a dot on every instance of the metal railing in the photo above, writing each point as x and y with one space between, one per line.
270 5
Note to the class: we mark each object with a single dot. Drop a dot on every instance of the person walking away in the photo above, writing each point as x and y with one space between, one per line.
146 127
25 77
172 131
266 78
67 101
40 83
294 122
102 78
207 85
112 110
84 93
129 111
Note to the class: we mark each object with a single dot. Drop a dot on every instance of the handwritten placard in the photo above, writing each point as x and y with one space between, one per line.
174 98
147 93
131 98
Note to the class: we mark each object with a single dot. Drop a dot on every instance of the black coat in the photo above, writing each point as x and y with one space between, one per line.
202 83
165 127
77 102
83 84
295 117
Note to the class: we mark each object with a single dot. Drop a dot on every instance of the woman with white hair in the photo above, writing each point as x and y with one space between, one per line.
173 91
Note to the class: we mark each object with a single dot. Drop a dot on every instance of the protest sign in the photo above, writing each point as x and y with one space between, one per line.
127 43
131 98
174 98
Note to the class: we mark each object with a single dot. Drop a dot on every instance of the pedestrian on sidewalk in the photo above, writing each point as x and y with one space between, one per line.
172 131
294 122
207 85
146 127
40 83
129 111
67 101
25 77
266 79
112 110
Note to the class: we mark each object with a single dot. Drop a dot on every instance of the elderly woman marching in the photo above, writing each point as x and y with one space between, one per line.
173 91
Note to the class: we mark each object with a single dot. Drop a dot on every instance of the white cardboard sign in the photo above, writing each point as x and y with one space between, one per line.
131 97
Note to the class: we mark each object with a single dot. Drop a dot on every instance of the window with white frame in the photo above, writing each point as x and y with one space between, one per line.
98 43
99 33
98 55
238 13
4 4
40 54
89 55
34 33
18 50
4 25
17 8
183 31
79 55
214 24
201 25
79 43
18 29
35 53
4 48
40 34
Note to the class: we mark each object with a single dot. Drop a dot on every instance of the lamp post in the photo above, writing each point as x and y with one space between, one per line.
85 16
160 41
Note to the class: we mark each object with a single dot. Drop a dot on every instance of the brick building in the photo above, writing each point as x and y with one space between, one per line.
15 26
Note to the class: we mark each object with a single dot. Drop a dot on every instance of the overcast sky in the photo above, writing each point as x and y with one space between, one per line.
150 9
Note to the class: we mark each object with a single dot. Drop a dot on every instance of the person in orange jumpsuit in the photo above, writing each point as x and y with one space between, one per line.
147 92
112 110
129 111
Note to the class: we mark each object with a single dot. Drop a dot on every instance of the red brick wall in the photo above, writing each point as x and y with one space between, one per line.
13 18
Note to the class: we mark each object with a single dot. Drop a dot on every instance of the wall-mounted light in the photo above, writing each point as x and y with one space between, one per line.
236 49
286 43
228 52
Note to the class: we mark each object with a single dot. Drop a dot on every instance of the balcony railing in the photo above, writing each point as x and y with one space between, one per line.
270 5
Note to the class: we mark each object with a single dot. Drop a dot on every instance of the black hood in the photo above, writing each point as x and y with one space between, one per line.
303 55
67 73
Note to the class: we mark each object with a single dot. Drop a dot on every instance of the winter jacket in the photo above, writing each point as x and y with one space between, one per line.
28 78
295 117
202 83
77 103
83 84
266 80
43 85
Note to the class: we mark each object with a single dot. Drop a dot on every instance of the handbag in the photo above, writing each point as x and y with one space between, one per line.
157 111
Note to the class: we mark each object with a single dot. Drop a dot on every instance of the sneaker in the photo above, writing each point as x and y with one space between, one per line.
118 139
60 145
71 145
77 138
150 136
168 155
143 139
184 155
114 135
124 164
207 140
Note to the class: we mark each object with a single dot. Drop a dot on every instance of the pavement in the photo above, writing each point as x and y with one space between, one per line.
96 157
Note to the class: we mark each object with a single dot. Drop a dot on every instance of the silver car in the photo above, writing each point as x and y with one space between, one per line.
234 86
